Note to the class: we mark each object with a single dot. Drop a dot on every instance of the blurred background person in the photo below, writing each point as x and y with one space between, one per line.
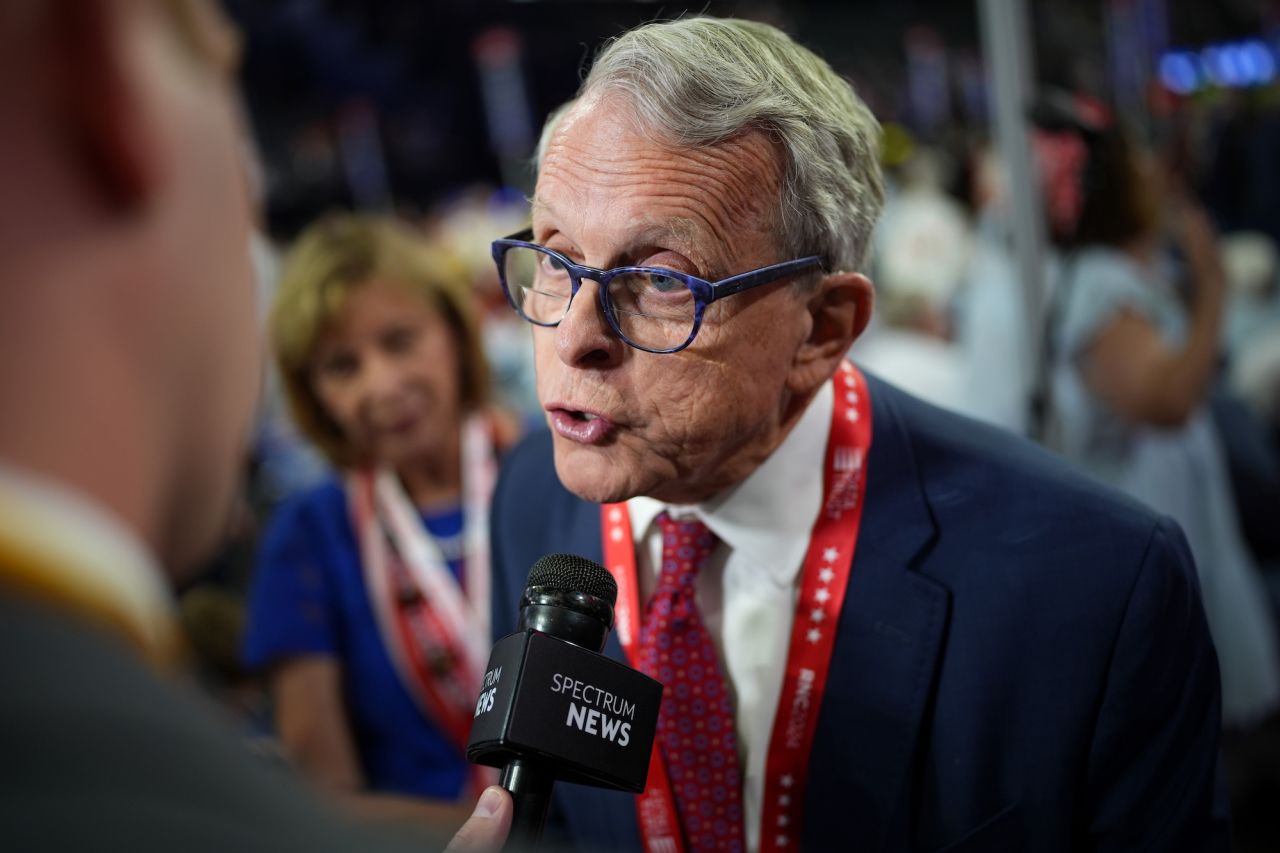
1133 362
466 225
921 245
990 310
1244 402
369 609
128 363
950 312
1252 267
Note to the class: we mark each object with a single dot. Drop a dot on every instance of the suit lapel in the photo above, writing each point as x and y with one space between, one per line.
882 670
586 541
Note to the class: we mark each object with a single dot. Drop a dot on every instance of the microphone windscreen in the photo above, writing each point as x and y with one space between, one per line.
572 573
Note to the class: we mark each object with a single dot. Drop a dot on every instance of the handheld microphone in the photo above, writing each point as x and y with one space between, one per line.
552 707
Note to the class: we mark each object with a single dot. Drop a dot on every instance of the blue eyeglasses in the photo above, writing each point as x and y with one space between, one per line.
650 308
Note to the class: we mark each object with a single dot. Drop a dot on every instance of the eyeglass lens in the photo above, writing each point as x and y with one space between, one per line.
651 309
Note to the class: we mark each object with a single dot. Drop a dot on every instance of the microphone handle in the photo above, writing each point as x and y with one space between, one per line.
530 788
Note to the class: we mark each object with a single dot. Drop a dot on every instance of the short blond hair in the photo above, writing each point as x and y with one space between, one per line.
335 257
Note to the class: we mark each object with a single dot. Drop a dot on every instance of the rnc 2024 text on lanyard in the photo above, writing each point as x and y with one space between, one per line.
823 580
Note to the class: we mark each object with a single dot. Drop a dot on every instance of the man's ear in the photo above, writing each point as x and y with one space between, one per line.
839 310
102 106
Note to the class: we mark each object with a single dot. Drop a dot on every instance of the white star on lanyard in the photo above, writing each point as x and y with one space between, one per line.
826 576
616 534
852 397
821 596
830 555
781 840
783 820
787 782
816 615
784 800
615 514
814 635
852 415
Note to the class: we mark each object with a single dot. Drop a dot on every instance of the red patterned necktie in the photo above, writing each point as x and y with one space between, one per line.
695 725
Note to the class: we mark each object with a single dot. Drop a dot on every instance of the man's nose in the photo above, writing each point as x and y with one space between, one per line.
584 338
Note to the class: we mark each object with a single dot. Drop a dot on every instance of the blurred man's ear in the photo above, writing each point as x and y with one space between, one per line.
107 124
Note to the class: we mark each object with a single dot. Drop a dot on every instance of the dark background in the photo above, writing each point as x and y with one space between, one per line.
401 77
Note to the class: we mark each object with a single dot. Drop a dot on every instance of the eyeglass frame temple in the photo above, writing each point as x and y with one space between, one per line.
764 275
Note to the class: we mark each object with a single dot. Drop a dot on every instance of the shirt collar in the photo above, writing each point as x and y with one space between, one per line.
71 548
767 519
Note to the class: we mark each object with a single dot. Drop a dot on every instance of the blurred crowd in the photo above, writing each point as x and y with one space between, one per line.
1154 367
400 374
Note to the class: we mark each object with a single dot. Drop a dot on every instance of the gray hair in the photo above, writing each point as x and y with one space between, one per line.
701 81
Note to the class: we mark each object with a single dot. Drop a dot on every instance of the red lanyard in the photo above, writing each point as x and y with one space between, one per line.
435 631
427 651
822 584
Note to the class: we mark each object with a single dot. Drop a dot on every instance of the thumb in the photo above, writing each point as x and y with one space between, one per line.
488 825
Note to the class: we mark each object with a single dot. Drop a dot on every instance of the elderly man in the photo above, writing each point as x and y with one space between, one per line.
128 359
880 627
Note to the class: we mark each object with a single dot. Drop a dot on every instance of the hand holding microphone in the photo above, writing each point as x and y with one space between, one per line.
552 707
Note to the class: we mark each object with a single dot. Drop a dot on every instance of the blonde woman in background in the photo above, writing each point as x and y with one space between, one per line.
369 609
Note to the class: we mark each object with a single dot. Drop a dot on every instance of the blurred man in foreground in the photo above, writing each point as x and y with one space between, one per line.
128 358
881 627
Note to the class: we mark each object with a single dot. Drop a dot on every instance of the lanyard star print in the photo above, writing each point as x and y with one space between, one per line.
823 582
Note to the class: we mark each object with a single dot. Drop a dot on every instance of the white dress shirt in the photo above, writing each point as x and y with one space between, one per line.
747 591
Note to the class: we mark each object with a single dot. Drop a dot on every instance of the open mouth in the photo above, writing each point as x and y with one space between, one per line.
579 426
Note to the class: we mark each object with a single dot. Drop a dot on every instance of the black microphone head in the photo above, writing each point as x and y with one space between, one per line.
569 597
571 573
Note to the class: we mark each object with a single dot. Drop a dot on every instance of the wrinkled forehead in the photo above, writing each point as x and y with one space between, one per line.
606 177
649 222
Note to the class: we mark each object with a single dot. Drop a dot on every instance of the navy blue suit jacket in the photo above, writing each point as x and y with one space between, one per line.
1022 660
